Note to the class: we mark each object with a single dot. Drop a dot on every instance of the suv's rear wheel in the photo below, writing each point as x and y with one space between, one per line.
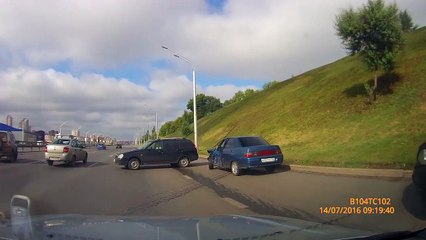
15 156
211 165
184 162
85 159
49 162
133 164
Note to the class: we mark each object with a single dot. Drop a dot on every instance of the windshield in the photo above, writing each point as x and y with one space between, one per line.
305 118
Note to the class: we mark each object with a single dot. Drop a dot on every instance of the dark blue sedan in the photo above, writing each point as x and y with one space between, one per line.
239 153
101 146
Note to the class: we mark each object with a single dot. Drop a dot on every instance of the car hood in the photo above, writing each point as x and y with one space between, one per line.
217 227
136 151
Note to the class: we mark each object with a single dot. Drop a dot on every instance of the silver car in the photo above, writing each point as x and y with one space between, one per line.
65 150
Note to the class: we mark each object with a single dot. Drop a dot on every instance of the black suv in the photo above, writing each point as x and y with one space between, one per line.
173 151
8 147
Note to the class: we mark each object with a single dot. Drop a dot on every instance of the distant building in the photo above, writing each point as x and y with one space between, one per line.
48 138
9 120
25 124
40 135
53 132
75 132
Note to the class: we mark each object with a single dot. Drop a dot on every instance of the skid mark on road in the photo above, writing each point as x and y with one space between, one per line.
187 177
234 203
241 200
163 197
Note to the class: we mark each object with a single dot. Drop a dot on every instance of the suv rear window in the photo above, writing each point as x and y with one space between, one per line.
186 144
252 141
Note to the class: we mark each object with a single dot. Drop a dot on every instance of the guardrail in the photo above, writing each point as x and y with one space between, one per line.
30 146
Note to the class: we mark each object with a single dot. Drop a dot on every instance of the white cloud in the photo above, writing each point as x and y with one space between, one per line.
108 105
252 39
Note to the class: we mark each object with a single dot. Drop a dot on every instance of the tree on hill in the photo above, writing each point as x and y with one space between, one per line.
167 128
205 105
406 21
239 96
375 32
269 84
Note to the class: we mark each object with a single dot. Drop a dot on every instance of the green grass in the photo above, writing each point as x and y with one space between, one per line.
321 117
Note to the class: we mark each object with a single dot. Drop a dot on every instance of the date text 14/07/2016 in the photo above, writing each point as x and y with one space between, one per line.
367 210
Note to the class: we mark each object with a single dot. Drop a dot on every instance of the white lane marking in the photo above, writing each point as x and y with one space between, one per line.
93 164
37 162
187 177
234 203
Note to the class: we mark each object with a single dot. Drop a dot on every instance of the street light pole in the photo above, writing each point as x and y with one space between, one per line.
194 91
156 120
156 123
60 128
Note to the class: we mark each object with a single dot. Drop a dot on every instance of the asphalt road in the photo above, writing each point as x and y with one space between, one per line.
102 188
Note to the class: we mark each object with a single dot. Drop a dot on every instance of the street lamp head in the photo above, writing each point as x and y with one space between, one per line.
176 55
165 47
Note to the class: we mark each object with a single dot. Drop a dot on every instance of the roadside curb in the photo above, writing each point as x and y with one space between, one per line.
355 172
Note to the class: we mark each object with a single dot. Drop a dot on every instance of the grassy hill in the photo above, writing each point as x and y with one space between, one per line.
321 117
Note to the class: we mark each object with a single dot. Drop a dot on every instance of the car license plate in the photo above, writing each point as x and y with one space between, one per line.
267 160
54 158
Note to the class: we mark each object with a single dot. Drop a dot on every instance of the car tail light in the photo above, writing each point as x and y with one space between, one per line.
66 149
262 153
45 149
266 152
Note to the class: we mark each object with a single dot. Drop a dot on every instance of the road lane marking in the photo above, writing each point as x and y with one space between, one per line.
234 203
38 162
187 177
93 164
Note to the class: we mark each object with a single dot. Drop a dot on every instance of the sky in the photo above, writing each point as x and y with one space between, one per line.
100 65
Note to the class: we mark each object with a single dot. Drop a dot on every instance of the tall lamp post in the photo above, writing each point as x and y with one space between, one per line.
60 128
85 138
193 90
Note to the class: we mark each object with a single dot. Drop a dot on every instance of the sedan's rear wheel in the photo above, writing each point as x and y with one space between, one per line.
49 162
211 165
85 159
72 162
235 169
184 162
133 164
14 156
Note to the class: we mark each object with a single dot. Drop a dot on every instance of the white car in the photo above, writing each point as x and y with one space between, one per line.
65 150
